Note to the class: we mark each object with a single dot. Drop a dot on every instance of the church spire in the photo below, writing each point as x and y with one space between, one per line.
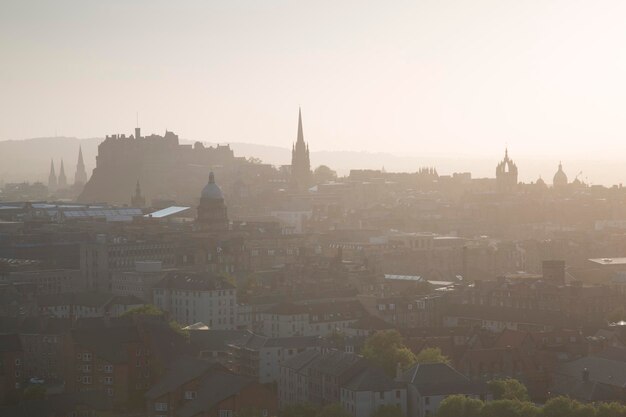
300 132
81 174
52 177
62 181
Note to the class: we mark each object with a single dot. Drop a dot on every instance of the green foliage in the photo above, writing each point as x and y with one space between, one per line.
333 410
34 392
324 174
610 410
509 408
566 407
460 406
145 310
431 355
387 349
299 410
508 389
389 410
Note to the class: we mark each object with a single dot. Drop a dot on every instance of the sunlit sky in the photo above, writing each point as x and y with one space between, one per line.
434 77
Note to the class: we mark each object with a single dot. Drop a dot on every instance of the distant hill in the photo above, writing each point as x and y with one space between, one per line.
29 160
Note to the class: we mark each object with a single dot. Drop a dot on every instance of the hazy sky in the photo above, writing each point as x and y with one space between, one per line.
409 77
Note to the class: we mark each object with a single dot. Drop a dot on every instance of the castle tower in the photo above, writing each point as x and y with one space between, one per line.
52 178
506 174
300 162
62 181
212 214
81 175
137 200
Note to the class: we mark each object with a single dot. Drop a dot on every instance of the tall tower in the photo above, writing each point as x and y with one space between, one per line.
62 181
300 162
81 175
137 200
52 178
212 214
506 174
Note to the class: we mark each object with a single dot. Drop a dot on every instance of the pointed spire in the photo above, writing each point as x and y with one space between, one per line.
52 178
137 189
506 153
80 177
211 178
62 181
300 131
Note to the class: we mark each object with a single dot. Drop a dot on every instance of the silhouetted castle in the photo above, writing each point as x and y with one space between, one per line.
300 162
165 168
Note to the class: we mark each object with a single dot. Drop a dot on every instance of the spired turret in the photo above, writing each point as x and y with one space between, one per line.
212 212
506 174
62 181
138 200
80 178
300 161
52 178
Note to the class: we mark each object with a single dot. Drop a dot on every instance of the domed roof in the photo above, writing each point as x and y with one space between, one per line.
540 182
212 191
560 179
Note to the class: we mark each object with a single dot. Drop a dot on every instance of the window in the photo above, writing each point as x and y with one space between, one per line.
87 379
381 395
226 413
18 362
398 394
87 357
108 380
264 412
160 406
110 392
190 395
426 400
108 369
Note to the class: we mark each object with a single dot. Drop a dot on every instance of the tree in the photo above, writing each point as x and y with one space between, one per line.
389 410
34 392
508 389
333 410
510 408
431 355
387 350
566 407
611 410
144 310
324 174
460 406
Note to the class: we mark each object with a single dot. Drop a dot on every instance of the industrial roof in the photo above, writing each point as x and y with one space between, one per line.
166 212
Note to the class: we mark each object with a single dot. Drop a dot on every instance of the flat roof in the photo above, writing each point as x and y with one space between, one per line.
166 212
609 261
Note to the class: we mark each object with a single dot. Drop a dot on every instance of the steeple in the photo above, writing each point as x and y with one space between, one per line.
137 200
300 139
81 174
300 162
52 178
62 181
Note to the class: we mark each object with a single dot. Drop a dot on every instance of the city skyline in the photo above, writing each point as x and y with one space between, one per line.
409 78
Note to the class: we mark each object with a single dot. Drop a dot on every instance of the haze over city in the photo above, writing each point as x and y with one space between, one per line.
421 78
312 209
